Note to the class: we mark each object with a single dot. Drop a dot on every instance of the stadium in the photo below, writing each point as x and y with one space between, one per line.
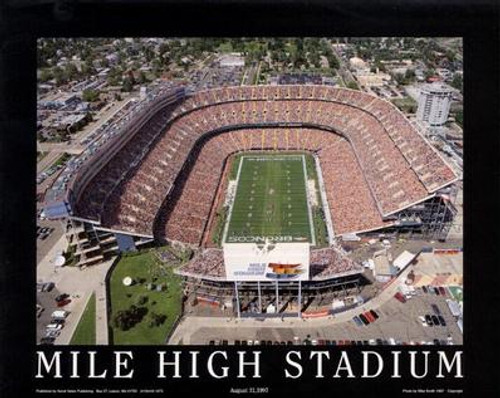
261 182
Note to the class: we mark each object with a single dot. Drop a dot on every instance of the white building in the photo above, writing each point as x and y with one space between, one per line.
232 60
434 104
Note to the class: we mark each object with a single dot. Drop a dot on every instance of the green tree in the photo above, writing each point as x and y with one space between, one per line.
459 118
127 85
127 319
71 71
457 82
60 76
353 85
90 95
45 75
157 319
141 79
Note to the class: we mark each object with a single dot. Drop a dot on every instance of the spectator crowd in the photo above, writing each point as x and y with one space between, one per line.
374 163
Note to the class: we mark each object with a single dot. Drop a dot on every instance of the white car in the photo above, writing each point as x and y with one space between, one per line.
53 333
60 314
54 326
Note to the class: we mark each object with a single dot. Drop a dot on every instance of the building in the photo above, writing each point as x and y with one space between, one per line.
358 64
369 79
434 104
231 60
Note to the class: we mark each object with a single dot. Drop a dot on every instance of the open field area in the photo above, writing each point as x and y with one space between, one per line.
85 331
150 306
270 199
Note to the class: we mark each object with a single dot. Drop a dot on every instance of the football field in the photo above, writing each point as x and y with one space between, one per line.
270 200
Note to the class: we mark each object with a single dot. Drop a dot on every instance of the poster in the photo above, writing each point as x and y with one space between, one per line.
166 142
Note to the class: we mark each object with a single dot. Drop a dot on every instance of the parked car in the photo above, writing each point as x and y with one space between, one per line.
364 319
375 314
428 320
47 340
368 315
48 286
63 302
54 326
435 320
436 290
357 321
441 320
39 310
442 291
422 321
424 289
60 314
61 297
398 296
435 308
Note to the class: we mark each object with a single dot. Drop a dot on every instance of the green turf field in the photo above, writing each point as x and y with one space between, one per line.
271 199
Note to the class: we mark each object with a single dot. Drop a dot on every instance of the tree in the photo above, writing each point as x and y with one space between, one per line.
409 76
126 319
90 95
157 319
459 118
71 71
457 82
353 85
141 79
60 76
45 75
127 85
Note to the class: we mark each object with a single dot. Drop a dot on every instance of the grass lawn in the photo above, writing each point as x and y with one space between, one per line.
271 198
85 331
144 269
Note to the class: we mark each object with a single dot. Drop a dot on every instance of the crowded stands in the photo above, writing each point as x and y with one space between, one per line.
324 264
168 173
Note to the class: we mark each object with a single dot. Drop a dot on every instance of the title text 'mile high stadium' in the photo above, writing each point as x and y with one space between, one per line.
260 181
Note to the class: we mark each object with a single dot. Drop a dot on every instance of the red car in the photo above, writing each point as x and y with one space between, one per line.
64 302
369 316
442 291
399 296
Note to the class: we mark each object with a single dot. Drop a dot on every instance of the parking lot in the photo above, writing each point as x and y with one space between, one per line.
46 302
53 234
398 323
